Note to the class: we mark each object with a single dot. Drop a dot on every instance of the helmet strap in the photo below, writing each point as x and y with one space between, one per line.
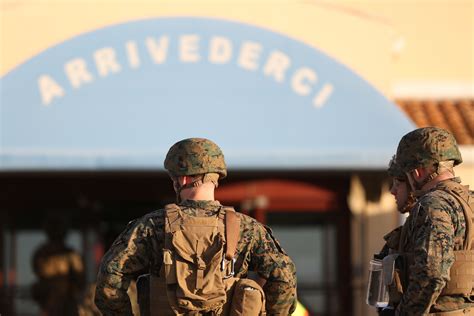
414 184
211 177
179 188
198 180
417 186
178 196
410 202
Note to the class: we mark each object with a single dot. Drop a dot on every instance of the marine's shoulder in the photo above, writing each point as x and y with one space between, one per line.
149 222
156 215
248 223
246 219
437 198
439 204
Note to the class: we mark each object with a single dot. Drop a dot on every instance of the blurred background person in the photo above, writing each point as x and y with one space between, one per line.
59 270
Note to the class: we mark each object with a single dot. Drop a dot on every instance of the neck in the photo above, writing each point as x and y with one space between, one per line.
203 192
441 177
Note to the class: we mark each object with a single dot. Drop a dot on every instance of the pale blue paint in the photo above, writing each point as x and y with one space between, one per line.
129 120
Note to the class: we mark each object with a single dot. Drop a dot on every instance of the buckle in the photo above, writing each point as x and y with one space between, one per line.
232 267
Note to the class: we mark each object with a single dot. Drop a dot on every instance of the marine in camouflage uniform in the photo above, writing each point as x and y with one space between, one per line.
404 200
436 227
138 250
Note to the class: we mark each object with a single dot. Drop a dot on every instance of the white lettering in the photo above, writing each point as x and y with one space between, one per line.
249 55
158 51
132 54
106 62
276 66
189 47
49 89
323 95
302 80
76 71
220 50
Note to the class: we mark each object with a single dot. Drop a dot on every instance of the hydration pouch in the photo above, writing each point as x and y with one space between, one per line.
377 291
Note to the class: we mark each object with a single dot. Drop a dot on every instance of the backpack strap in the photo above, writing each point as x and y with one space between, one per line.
232 232
466 203
172 217
462 195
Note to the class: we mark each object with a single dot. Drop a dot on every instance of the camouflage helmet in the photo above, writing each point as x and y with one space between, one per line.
427 146
394 169
195 156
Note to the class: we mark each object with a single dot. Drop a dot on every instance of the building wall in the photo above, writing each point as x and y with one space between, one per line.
396 44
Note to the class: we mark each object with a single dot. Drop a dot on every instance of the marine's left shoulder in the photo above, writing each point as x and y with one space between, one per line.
439 204
439 197
246 220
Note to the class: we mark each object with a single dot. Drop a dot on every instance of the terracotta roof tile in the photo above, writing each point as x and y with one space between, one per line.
457 116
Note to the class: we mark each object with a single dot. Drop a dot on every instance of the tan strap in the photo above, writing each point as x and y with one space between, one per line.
459 312
468 216
201 265
172 216
232 232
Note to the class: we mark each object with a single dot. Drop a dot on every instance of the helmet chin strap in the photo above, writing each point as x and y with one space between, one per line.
179 188
409 203
417 186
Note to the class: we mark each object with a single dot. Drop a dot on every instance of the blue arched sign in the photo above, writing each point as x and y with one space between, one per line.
119 97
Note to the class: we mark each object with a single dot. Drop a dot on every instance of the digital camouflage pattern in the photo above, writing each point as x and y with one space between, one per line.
138 251
425 146
195 156
394 170
435 228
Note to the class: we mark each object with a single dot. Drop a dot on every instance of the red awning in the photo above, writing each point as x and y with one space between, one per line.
278 195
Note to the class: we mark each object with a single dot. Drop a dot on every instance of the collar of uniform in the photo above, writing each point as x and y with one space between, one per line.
439 186
444 182
204 204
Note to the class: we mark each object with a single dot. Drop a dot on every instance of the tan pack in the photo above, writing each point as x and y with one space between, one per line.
462 271
197 275
193 260
183 287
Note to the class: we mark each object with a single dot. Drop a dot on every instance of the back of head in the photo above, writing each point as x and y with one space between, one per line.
425 147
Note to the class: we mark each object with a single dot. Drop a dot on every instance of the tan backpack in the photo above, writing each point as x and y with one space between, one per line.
462 271
197 274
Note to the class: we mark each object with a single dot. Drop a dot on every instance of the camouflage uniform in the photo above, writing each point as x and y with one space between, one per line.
435 228
392 239
138 250
436 224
